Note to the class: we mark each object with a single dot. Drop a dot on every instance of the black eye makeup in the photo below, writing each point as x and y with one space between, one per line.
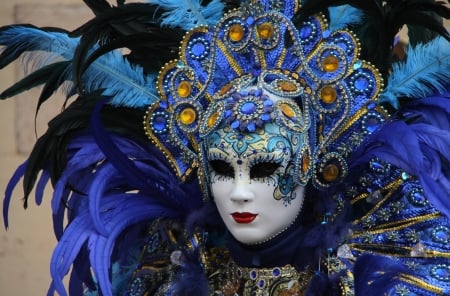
263 169
222 168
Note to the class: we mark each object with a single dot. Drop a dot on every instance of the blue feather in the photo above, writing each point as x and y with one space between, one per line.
343 16
111 72
425 72
187 14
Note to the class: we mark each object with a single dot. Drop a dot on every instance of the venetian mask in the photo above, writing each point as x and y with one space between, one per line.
252 172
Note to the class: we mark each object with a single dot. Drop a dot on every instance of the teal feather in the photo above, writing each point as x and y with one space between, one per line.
343 16
111 72
425 72
124 82
187 14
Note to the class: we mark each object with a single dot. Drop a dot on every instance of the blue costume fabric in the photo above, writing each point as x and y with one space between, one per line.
125 160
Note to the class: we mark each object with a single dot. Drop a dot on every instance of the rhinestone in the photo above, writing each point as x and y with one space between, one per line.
253 274
287 110
305 32
441 272
236 32
441 234
331 172
188 116
184 89
261 284
276 272
225 89
213 119
328 94
265 30
330 63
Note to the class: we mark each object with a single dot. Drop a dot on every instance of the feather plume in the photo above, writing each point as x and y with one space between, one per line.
344 16
111 72
425 72
188 14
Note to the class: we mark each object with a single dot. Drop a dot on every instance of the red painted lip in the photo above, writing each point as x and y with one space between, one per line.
243 218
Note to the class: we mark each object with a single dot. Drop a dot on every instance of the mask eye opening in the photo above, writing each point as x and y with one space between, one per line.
222 168
263 169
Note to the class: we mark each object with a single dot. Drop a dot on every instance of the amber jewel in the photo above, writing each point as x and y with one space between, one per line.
265 30
328 94
184 89
212 119
287 85
331 172
330 63
305 163
236 32
287 110
187 116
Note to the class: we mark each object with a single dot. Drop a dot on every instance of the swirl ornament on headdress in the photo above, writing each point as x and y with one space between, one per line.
225 72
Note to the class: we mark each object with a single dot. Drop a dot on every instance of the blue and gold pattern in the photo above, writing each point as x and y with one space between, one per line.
258 46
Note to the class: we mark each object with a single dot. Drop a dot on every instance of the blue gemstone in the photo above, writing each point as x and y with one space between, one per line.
377 167
276 272
239 161
251 127
261 283
305 32
371 106
361 83
248 108
442 235
268 103
442 272
228 113
265 117
235 124
253 274
258 92
372 124
250 20
326 34
357 65
159 123
198 49
418 197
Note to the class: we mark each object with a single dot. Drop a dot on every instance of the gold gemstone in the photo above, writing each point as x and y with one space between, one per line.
236 32
330 63
331 172
225 89
287 85
187 116
305 163
287 110
184 89
265 30
213 119
328 94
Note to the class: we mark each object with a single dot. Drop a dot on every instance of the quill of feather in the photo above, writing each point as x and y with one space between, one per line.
343 16
187 14
425 72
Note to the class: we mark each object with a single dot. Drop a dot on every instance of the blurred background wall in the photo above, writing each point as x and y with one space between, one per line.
25 248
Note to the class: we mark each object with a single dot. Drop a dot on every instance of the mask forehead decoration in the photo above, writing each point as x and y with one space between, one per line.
230 74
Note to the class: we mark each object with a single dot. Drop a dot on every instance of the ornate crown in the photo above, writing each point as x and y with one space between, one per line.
224 73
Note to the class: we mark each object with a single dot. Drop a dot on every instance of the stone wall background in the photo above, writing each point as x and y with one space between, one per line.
25 249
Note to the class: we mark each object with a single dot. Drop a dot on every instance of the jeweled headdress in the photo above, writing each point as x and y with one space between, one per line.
327 92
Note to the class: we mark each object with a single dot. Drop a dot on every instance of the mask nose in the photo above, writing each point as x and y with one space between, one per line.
241 192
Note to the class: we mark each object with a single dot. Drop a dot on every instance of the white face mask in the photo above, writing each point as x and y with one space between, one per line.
252 182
